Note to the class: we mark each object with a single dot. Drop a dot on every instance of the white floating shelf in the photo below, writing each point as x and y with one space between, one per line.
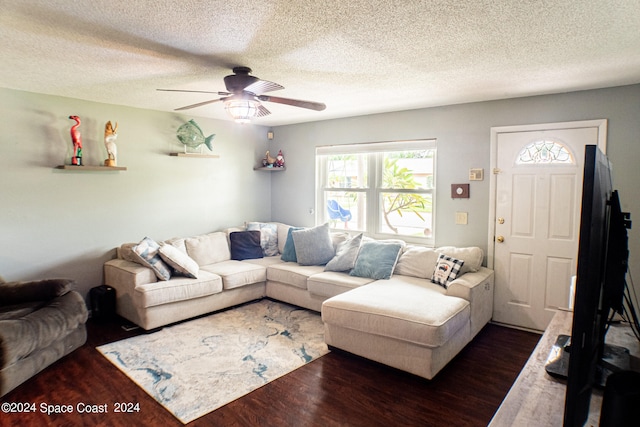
210 156
91 168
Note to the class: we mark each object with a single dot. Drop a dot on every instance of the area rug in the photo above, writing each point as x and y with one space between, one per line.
196 367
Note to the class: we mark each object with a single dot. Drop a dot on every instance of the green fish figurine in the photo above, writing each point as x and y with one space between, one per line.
191 135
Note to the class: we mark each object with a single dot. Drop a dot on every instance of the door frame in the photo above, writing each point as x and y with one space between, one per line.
601 124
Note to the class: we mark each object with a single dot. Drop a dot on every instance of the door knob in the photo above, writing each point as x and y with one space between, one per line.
500 220
500 239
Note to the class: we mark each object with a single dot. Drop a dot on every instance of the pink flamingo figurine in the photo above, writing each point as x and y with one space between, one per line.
76 138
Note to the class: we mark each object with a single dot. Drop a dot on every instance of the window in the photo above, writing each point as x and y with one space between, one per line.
544 151
384 189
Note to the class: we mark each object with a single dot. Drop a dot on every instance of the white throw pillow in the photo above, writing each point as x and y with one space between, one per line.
180 261
417 261
472 257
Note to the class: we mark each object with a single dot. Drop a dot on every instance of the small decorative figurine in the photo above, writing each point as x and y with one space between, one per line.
110 136
76 138
191 136
268 161
279 160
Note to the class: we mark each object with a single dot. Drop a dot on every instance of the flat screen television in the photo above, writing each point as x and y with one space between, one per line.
599 290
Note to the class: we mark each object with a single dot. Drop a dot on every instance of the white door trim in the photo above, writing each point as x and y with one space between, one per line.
601 124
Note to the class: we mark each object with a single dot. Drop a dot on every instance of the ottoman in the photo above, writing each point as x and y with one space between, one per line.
405 322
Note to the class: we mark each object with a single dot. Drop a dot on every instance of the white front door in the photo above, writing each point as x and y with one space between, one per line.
536 186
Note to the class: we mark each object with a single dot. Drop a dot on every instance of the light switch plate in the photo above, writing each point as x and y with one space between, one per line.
461 218
459 191
476 174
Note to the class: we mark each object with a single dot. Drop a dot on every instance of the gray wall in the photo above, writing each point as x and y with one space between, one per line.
463 134
66 224
56 223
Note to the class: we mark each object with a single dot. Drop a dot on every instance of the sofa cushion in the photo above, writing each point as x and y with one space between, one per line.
404 308
268 236
331 283
346 254
236 273
245 245
177 289
289 250
265 262
146 253
447 269
376 260
177 242
179 261
313 245
417 261
472 257
292 273
208 248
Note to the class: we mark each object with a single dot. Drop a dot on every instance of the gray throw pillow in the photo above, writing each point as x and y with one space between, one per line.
346 255
313 245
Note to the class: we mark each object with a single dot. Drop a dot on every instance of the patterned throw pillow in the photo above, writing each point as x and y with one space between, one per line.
147 254
376 260
446 271
245 245
268 236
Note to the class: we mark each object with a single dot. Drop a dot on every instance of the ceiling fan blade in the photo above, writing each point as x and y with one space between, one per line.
193 91
261 86
262 111
318 106
199 104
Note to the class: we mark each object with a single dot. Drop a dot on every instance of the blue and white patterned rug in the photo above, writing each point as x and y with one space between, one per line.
196 367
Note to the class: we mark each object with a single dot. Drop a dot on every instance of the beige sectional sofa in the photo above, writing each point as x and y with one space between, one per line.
403 320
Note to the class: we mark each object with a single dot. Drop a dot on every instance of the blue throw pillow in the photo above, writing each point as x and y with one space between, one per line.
289 251
376 260
245 245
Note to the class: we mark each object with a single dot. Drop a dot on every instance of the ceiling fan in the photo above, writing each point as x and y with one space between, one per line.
243 96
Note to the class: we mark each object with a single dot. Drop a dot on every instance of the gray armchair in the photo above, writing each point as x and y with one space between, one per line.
40 322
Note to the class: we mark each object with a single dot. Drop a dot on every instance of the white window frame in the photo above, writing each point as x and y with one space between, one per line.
373 189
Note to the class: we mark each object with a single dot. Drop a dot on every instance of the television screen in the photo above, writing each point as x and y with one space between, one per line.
601 271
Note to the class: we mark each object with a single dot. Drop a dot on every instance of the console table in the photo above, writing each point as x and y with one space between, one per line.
536 398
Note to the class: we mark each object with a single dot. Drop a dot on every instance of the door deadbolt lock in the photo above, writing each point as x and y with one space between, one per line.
500 239
500 220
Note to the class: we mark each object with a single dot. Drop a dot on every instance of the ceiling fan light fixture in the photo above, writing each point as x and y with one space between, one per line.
242 110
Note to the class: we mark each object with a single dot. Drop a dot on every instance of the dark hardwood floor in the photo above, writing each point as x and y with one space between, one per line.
338 389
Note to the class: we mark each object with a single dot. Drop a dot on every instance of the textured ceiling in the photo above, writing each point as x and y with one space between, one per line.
358 56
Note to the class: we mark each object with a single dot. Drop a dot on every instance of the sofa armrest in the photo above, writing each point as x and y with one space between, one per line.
40 290
477 288
470 283
121 273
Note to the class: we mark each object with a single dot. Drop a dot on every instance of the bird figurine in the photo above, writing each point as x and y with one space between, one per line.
270 160
191 136
110 136
76 138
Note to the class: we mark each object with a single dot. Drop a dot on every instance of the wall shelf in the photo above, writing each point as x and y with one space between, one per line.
266 169
210 156
92 168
